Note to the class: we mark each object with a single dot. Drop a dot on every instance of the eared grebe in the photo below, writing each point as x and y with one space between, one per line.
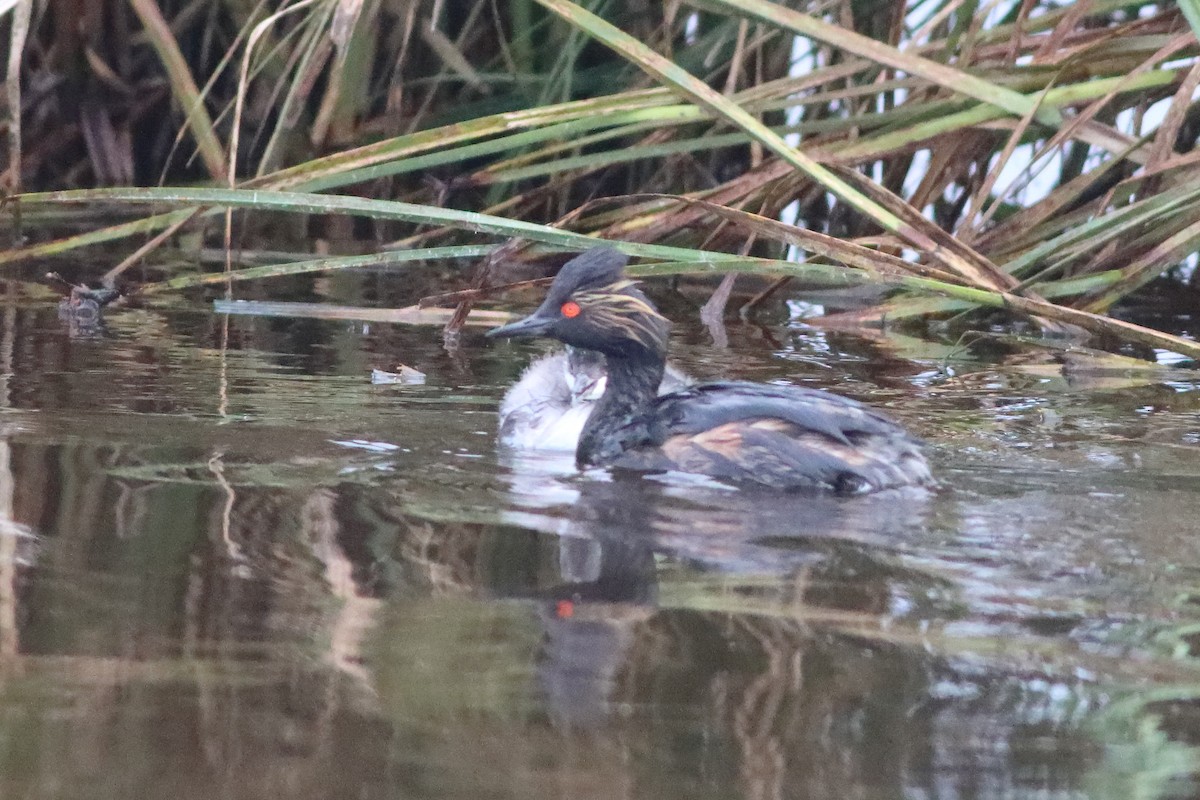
781 436
547 407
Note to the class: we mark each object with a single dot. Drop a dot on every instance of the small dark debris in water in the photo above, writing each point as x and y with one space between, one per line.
1053 625
80 295
401 374
1178 718
82 306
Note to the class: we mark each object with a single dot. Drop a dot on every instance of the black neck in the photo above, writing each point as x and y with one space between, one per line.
633 382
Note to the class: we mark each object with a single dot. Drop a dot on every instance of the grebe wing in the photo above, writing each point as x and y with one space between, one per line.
781 436
710 405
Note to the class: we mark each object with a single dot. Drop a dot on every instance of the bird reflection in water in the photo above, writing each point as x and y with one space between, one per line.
639 620
768 564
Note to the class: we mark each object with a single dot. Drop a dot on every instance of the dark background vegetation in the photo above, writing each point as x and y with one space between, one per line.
1033 156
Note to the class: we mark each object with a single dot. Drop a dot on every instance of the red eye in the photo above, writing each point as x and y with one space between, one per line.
570 309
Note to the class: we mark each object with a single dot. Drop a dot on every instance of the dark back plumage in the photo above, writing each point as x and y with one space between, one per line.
711 404
786 436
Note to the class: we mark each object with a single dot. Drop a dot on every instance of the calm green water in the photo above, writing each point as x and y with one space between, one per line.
232 567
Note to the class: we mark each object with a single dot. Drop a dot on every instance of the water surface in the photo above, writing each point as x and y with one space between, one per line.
233 567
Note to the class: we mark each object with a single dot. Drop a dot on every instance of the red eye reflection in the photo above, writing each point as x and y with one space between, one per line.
570 309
